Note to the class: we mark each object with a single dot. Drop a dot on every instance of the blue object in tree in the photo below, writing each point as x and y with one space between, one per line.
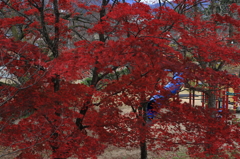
176 84
173 87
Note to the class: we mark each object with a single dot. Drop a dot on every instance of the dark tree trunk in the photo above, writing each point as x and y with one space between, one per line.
143 146
211 99
143 143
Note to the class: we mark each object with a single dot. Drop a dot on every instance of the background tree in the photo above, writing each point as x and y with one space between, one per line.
195 54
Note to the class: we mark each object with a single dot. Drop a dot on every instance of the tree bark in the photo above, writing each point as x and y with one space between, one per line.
211 98
143 142
143 146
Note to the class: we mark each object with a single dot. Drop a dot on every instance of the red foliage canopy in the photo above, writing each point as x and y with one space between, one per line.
75 84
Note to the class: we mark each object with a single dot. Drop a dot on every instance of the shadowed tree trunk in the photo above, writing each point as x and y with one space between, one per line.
211 98
143 143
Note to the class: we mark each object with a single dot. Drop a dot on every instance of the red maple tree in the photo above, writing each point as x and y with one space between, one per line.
120 60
